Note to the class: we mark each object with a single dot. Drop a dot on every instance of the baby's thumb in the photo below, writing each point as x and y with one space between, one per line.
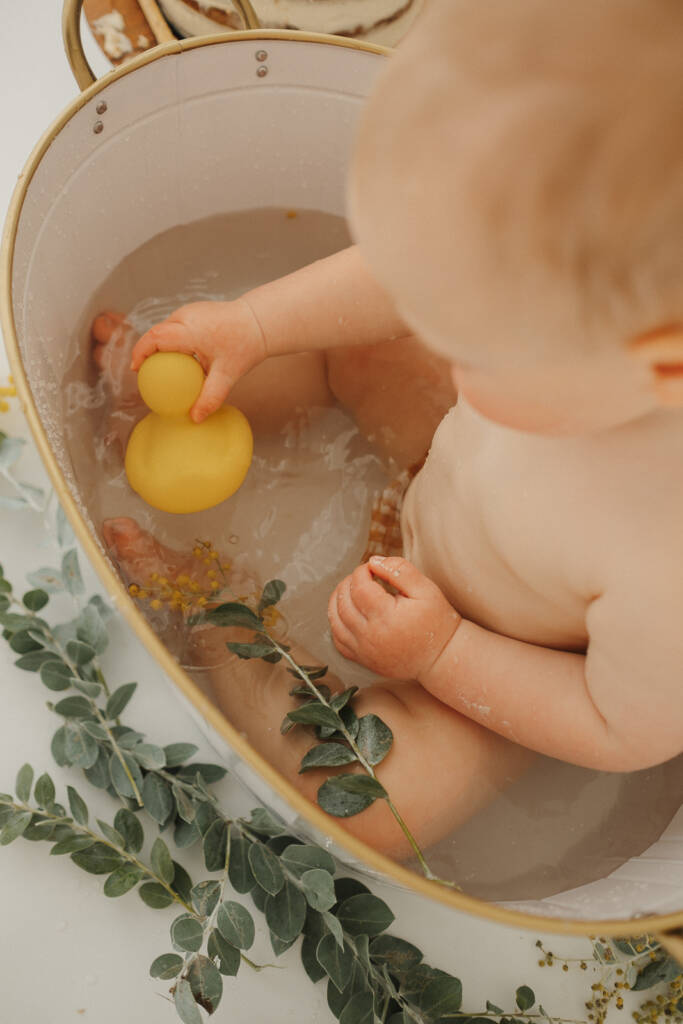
214 392
401 574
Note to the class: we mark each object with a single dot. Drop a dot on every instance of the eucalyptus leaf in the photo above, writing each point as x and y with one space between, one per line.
236 924
24 783
663 969
71 573
266 868
72 844
233 613
205 896
22 642
227 955
187 933
79 653
318 889
166 966
261 649
205 982
120 778
157 798
122 880
346 795
334 927
182 883
110 833
186 1008
44 793
97 773
264 821
91 630
301 857
119 699
399 956
272 593
442 996
34 660
155 896
176 753
15 827
239 870
80 748
74 707
326 755
214 845
185 834
184 804
149 756
364 914
55 674
98 859
359 1009
315 714
524 997
286 912
92 690
162 864
337 962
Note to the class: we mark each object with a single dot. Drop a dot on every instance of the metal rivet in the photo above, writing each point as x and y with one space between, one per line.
101 107
262 71
261 55
98 127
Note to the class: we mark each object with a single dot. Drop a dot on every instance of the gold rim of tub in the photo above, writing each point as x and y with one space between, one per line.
652 923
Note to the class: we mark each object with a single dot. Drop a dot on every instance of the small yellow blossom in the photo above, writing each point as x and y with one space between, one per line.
133 590
197 552
155 604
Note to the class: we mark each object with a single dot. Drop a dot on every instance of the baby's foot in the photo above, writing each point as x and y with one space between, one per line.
113 339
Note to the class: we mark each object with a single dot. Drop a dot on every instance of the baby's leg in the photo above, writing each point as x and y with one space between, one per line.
398 392
442 768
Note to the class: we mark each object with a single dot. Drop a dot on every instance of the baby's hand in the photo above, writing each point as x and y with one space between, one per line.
224 336
398 636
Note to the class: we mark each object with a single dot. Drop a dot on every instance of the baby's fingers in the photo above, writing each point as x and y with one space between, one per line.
402 575
214 392
168 336
368 596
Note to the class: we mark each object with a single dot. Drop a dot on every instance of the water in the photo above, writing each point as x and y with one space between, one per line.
302 516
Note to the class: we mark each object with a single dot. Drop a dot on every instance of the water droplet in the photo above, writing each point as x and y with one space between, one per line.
233 538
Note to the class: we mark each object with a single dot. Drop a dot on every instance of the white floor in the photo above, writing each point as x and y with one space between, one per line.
67 952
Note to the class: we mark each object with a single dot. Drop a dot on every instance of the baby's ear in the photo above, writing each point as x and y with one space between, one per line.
661 351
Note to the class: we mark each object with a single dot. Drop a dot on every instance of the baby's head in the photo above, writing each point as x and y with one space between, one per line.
518 189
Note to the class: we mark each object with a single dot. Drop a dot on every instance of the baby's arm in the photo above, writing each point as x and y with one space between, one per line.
331 303
617 708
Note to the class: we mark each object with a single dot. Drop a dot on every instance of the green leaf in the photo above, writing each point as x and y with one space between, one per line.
228 956
166 966
176 753
364 914
261 649
374 738
80 748
34 600
492 1008
122 880
336 962
301 857
209 772
77 806
44 793
272 593
91 690
34 660
182 883
346 795
24 783
157 798
155 896
119 699
72 844
233 613
98 859
205 982
266 868
80 653
71 573
56 675
91 630
97 773
235 924
149 756
286 912
23 642
524 997
657 971
205 896
162 864
318 889
334 926
442 996
185 834
74 707
15 827
46 579
239 870
120 780
214 845
186 1008
187 933
264 821
359 1009
326 755
110 833
315 714
399 956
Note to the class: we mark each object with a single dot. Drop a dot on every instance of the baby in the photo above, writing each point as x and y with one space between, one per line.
517 197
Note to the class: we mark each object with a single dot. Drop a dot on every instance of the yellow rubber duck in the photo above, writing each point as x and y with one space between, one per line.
175 464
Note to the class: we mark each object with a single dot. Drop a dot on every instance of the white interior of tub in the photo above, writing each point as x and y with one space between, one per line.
183 138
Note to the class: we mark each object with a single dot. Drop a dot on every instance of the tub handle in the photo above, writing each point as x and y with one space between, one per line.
673 944
73 44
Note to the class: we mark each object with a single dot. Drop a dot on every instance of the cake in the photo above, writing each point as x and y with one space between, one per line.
377 21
